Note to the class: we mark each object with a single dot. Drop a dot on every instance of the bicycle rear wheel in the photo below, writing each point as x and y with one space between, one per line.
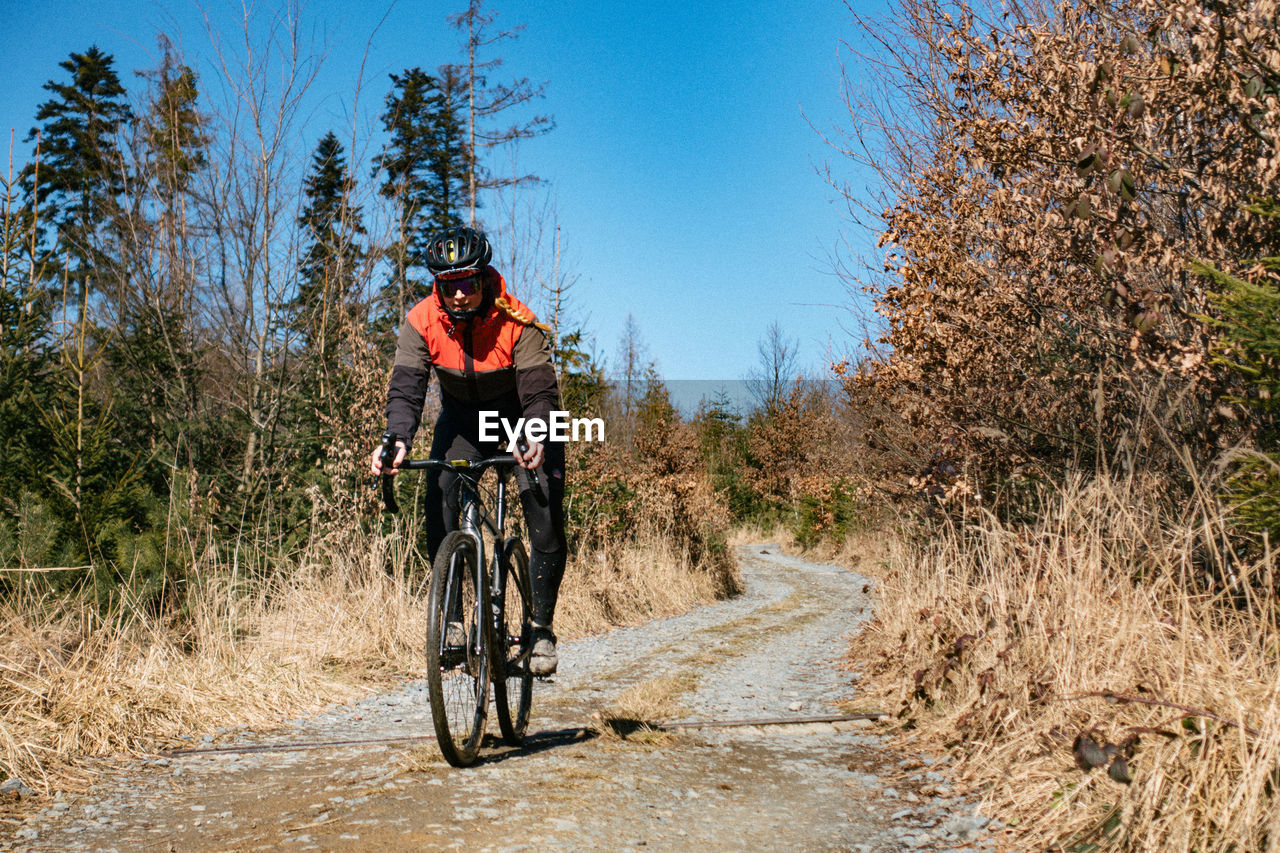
512 681
457 651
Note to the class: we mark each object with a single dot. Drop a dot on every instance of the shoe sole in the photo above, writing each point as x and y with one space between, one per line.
542 670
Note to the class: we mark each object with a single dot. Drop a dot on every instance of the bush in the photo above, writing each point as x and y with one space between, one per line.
827 510
1053 171
1248 324
1108 618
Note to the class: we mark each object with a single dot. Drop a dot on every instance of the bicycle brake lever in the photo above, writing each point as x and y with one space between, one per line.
531 472
388 458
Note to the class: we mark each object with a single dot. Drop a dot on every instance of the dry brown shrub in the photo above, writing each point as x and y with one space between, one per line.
800 444
1111 619
654 496
813 462
627 583
1051 171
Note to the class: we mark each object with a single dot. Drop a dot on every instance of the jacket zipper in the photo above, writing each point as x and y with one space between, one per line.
469 365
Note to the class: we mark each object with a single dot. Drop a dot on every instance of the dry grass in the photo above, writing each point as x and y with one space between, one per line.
653 700
634 715
861 550
754 534
254 648
647 578
248 653
1102 619
424 759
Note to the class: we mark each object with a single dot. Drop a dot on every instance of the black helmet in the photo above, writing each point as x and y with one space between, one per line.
458 249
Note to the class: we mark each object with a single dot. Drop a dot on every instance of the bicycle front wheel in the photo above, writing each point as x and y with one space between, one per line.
512 681
457 650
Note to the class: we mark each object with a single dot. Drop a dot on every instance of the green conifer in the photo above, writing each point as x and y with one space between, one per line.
425 167
332 227
76 181
1248 326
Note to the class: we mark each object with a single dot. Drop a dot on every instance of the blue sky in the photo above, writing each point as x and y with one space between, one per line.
683 170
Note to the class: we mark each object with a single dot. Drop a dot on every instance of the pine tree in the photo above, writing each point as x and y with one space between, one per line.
717 420
25 330
72 195
154 354
327 301
449 157
723 444
654 408
91 476
331 222
425 167
175 147
1248 345
173 130
583 384
78 177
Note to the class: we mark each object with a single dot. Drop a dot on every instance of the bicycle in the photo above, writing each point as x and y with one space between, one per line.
470 645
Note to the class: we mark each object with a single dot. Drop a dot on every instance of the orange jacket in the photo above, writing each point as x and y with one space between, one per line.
492 361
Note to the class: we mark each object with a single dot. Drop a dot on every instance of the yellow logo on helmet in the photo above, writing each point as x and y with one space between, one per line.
453 251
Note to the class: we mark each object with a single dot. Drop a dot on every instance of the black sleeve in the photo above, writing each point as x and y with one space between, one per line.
535 375
409 377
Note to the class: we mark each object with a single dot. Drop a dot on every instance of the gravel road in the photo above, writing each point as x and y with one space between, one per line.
772 652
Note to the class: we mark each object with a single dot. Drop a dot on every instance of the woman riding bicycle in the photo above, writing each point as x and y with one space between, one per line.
489 355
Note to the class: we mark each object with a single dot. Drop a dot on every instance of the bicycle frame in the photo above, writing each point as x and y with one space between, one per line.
498 632
474 519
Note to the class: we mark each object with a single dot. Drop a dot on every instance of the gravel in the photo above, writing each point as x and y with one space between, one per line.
775 651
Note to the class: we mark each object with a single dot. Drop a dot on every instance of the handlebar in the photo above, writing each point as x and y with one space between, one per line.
463 467
388 457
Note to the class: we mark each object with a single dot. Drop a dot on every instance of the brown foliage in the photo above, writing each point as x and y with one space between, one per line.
656 486
674 492
782 446
1061 169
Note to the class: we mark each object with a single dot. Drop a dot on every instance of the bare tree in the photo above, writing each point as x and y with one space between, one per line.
629 371
249 213
533 251
485 101
772 378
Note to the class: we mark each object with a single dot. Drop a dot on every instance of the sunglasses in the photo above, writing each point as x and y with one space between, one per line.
466 285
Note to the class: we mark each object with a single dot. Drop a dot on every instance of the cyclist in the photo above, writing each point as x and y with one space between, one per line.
489 355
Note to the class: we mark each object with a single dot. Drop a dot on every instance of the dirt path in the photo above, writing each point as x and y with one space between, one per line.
772 652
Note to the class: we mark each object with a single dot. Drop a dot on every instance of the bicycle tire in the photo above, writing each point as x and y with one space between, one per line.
457 675
513 694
